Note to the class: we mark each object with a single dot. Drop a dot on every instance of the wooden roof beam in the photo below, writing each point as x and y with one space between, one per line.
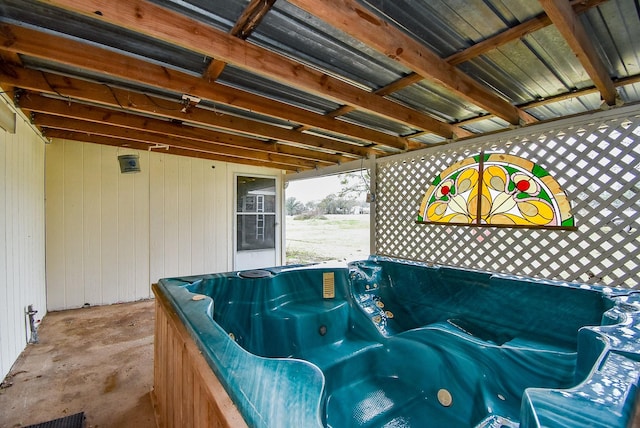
140 145
517 32
350 17
61 50
113 131
135 102
251 18
514 33
56 107
248 21
568 24
155 21
631 80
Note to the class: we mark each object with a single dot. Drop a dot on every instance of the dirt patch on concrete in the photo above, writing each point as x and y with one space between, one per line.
95 360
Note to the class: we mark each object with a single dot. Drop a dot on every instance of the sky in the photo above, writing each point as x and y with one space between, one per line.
313 189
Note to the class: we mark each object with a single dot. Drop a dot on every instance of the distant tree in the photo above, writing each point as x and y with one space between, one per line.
294 206
333 204
354 184
311 207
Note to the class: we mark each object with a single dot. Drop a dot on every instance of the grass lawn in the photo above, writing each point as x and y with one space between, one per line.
337 237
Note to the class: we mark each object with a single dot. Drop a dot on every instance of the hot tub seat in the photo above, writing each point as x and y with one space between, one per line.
485 380
375 388
496 373
297 327
402 296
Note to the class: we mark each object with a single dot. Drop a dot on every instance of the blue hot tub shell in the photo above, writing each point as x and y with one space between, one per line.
386 342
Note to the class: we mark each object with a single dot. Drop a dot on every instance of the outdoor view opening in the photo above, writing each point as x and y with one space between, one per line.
327 218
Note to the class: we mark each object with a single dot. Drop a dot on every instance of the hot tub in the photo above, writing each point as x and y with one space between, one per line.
391 343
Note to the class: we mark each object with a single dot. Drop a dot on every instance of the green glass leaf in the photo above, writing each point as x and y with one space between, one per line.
538 171
544 196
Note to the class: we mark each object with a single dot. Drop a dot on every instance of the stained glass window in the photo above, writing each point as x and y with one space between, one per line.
496 189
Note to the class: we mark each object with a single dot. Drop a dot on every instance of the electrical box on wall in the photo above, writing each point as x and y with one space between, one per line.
129 164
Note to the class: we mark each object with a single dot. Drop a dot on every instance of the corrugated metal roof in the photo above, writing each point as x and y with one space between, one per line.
294 33
375 122
238 78
220 14
66 24
307 57
451 26
436 101
615 32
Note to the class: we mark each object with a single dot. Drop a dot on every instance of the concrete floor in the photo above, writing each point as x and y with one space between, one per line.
96 360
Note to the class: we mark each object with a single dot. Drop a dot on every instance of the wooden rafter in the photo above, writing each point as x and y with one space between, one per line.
631 80
350 17
81 90
299 138
139 145
514 33
6 59
571 28
564 96
54 48
163 24
61 108
251 17
248 21
509 35
47 121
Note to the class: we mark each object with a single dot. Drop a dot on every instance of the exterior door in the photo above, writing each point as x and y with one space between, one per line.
255 222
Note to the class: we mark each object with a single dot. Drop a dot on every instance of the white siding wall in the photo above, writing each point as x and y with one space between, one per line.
188 216
110 235
97 227
22 247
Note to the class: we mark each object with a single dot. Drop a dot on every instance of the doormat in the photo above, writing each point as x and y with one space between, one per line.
73 421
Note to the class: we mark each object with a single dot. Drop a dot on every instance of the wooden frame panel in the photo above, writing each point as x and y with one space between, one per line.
185 393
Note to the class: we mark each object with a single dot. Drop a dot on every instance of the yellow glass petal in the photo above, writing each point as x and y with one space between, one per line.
507 219
467 180
536 211
458 218
485 201
436 210
495 178
528 209
500 219
472 206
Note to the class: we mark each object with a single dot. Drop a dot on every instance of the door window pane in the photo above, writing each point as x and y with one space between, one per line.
256 216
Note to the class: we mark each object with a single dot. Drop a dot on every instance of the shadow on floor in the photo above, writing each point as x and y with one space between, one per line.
95 360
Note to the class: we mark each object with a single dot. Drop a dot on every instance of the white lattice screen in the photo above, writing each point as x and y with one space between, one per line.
597 163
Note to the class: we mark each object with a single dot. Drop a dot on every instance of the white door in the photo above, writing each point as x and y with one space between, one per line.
255 222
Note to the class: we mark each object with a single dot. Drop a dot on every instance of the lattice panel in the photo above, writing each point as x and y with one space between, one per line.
598 166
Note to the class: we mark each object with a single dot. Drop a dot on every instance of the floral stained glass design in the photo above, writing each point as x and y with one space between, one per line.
496 189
